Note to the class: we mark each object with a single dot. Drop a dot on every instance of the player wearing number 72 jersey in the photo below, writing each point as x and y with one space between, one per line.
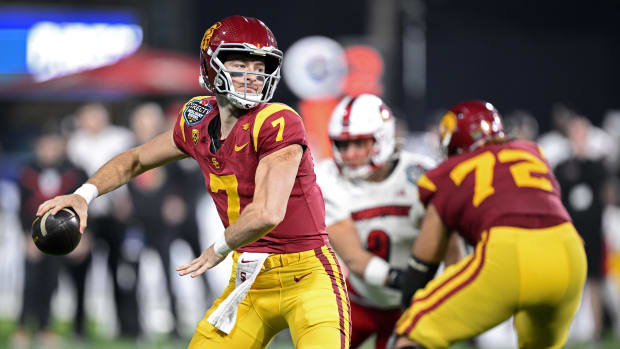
529 261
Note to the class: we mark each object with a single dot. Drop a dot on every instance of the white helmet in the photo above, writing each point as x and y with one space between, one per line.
364 116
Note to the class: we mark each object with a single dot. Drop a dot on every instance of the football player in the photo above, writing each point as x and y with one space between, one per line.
258 168
501 196
372 210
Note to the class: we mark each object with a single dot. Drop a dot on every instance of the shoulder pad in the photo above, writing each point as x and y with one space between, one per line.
263 114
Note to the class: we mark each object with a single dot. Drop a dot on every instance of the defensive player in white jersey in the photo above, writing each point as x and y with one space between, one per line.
371 210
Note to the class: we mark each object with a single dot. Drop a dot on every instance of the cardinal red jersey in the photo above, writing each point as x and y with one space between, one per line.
499 184
230 171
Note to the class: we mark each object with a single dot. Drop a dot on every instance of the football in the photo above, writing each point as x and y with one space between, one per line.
57 235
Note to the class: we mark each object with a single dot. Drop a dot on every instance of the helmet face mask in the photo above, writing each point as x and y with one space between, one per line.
354 156
469 125
223 81
360 118
245 36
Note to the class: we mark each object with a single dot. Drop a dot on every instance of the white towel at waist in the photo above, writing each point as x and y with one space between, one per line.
248 267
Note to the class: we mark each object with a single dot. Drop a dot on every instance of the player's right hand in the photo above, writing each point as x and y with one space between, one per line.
75 201
207 260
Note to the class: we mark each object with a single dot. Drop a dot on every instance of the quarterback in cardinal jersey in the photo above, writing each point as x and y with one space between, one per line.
230 168
258 168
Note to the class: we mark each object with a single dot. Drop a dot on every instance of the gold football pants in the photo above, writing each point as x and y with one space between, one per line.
537 275
303 291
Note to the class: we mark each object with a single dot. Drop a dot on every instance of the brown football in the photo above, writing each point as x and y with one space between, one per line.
57 234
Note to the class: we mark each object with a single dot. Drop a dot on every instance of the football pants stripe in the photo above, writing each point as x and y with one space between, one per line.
437 292
343 290
333 270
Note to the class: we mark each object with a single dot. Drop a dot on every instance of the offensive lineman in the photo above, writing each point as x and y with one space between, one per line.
372 210
258 168
529 261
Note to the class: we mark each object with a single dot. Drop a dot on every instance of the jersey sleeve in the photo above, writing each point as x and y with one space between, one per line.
427 188
333 195
275 127
429 193
179 134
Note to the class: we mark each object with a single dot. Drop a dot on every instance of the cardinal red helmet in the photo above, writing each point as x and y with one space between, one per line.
245 35
468 125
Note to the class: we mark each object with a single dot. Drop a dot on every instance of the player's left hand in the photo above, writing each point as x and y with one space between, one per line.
207 260
395 278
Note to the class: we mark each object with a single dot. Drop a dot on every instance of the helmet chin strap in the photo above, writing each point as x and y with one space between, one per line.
241 103
360 172
353 173
250 100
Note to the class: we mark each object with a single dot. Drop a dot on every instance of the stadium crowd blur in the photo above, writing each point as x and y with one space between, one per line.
160 208
120 281
157 209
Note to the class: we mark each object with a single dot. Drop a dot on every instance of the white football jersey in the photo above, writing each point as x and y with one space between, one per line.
387 216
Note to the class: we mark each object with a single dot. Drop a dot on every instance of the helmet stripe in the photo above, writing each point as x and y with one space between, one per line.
346 119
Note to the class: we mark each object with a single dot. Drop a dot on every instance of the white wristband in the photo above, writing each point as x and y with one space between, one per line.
87 191
220 246
376 271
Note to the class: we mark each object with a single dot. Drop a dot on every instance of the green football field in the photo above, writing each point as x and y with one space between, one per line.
125 344
281 342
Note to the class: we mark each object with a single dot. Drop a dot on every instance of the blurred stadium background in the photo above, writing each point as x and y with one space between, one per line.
547 66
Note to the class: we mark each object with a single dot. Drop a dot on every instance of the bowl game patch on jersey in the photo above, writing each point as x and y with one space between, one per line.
196 110
414 172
